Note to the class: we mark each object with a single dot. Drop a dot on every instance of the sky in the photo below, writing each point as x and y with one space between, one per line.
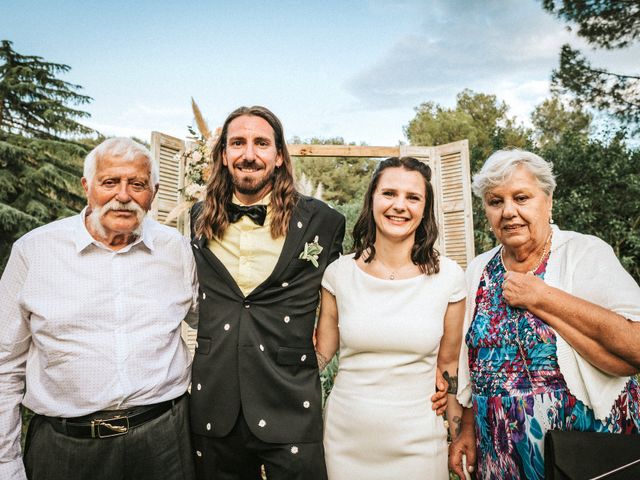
355 69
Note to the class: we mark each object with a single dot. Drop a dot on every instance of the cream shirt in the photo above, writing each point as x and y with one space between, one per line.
84 328
247 250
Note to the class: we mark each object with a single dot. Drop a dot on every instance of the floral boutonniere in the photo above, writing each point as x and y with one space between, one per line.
311 252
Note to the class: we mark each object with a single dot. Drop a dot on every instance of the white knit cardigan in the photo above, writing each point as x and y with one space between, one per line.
584 266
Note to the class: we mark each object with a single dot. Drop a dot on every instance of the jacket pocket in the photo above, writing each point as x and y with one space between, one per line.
203 345
296 356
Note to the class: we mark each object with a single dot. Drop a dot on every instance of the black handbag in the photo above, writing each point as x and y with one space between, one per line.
591 456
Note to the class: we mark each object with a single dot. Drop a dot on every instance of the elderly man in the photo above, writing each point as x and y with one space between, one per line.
90 315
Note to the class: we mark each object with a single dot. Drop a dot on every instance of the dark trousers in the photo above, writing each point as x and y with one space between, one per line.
157 450
240 456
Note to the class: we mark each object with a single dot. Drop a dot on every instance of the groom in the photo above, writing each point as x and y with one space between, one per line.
260 249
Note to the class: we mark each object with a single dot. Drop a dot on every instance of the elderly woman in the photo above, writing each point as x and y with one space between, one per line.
552 334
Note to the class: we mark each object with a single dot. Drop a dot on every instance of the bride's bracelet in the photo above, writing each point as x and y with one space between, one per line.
322 361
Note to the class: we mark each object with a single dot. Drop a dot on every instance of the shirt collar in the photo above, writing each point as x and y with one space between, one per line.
82 238
266 200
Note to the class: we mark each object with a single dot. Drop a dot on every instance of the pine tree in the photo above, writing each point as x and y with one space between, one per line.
33 101
609 24
40 169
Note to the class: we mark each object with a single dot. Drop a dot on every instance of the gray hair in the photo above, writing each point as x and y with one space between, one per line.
501 164
124 148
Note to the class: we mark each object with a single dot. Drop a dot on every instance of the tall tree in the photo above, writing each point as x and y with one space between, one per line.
598 191
609 24
552 119
39 168
33 101
481 119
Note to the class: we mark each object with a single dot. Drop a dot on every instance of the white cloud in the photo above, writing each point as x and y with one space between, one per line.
463 45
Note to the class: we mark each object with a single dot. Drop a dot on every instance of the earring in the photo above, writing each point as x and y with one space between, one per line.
550 218
491 229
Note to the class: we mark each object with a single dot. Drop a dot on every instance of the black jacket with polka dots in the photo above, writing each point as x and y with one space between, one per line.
256 352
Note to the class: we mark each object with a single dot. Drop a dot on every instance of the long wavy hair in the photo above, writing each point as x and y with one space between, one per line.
213 219
423 252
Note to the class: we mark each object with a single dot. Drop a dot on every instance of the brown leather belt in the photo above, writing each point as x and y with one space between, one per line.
109 423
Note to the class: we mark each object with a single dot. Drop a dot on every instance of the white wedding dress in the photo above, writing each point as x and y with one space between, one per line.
378 420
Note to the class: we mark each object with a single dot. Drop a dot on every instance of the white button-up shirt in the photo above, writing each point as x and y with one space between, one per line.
85 328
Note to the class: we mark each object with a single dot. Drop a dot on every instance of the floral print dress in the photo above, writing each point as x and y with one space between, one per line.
515 405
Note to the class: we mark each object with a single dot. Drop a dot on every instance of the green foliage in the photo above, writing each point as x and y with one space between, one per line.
33 101
39 171
605 23
343 178
351 212
614 93
609 24
327 376
552 120
481 119
344 181
27 415
599 192
39 182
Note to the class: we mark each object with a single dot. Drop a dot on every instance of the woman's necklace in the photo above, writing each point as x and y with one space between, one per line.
547 244
392 274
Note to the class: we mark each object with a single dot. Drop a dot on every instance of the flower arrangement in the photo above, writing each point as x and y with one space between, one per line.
197 161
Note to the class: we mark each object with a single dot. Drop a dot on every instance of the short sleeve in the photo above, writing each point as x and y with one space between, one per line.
330 277
458 284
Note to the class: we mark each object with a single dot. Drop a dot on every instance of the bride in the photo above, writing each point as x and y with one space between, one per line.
395 307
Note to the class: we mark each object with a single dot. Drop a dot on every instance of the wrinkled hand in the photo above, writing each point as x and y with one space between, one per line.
465 444
439 399
522 290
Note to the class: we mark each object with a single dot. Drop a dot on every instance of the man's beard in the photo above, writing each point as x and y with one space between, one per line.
98 212
246 185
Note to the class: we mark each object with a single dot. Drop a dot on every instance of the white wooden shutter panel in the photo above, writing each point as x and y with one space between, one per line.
166 151
455 195
452 187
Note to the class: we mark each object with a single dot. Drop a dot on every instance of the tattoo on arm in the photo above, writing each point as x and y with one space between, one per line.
452 380
322 361
457 426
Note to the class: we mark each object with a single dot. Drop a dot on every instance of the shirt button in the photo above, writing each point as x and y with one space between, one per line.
306 404
199 387
208 426
294 449
303 358
227 326
262 348
285 284
247 304
198 453
299 224
287 319
262 423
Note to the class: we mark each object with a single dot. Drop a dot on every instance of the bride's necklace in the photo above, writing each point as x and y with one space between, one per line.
391 273
545 250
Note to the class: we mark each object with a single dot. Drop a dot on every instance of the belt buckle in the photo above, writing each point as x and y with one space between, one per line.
105 428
